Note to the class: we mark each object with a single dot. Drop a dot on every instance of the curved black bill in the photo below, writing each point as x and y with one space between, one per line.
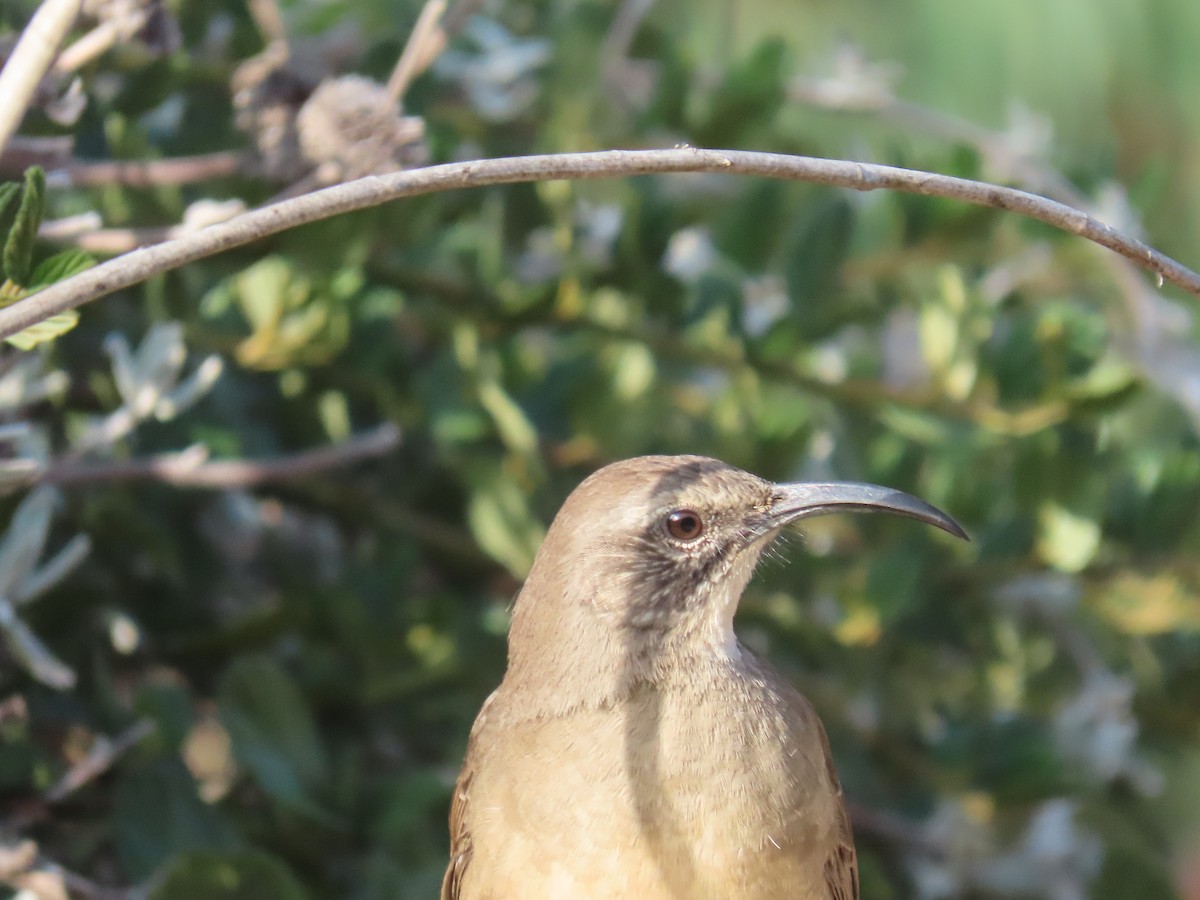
806 499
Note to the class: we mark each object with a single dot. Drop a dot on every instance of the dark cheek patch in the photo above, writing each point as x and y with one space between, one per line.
670 583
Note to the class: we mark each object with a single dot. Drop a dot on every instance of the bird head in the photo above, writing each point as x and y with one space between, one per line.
654 552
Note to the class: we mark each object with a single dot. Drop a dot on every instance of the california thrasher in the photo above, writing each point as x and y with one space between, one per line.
635 748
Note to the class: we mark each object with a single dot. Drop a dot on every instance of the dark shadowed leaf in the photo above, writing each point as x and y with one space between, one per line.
249 875
159 814
812 263
274 736
59 267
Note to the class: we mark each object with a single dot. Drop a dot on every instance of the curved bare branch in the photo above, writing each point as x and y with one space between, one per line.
34 53
139 265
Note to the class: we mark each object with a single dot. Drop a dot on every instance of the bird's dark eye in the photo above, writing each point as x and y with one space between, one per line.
685 525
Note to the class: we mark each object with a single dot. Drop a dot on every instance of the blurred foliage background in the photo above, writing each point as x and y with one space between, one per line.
265 691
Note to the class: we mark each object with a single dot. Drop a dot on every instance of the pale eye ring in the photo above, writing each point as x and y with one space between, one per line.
685 525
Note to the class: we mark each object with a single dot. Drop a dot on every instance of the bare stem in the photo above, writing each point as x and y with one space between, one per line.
23 151
190 469
371 191
427 40
269 18
100 758
100 39
30 59
151 173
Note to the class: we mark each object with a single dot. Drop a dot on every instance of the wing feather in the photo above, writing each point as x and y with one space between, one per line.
841 866
461 846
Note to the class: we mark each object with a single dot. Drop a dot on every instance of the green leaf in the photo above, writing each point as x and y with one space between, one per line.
18 246
1068 541
503 524
408 803
9 191
749 99
516 431
814 252
250 875
382 879
45 330
60 267
274 736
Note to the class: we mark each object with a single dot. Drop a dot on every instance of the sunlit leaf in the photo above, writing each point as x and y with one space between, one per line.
1139 604
44 331
503 524
1067 541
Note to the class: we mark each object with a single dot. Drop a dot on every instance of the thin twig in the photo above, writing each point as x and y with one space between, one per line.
65 171
154 173
426 41
269 18
99 759
374 190
100 39
70 228
30 59
24 151
85 232
190 468
624 28
105 241
631 80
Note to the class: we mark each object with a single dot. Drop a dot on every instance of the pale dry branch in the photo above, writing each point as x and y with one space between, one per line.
628 79
104 752
101 756
269 18
30 60
101 39
192 469
426 41
85 231
150 173
23 151
64 170
70 228
107 241
371 191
